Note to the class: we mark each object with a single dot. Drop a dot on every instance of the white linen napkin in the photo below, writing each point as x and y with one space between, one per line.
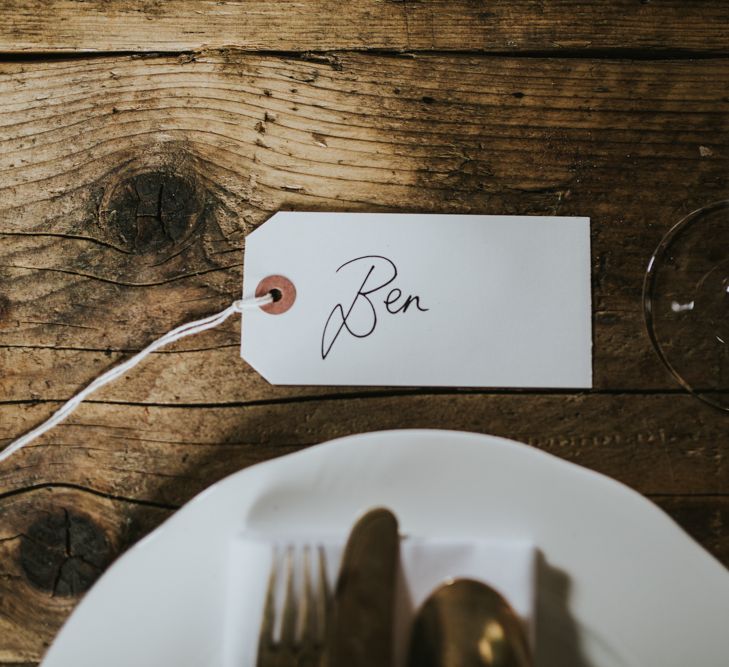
509 567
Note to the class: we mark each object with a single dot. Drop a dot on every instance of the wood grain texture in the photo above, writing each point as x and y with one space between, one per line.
705 519
54 542
88 274
293 25
128 184
658 444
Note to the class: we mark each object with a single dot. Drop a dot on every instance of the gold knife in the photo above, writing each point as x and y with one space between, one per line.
359 631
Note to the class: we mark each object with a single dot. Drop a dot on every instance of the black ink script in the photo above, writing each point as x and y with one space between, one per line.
379 272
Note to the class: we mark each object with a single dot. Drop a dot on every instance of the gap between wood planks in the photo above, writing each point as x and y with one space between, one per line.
330 55
375 394
102 494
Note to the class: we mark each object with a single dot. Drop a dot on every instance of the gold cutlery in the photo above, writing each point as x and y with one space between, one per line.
466 623
360 627
303 626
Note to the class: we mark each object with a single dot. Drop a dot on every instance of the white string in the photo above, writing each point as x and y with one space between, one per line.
113 373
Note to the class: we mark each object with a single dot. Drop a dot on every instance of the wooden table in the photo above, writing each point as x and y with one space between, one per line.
141 141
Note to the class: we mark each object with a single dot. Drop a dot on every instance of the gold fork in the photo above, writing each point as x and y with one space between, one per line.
303 626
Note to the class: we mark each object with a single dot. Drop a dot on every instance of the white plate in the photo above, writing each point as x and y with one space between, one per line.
621 583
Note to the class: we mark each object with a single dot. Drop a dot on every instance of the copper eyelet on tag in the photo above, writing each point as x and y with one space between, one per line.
284 294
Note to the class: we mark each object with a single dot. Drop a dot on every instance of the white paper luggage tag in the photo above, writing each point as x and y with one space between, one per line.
392 299
420 300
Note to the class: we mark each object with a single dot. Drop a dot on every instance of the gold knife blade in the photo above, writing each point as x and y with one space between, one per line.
359 631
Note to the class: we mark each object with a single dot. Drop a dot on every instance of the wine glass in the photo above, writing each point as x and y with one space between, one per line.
686 302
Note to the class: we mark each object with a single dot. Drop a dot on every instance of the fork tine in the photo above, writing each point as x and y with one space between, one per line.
266 635
288 629
309 608
323 597
303 615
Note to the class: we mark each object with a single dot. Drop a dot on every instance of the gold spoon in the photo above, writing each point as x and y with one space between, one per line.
466 623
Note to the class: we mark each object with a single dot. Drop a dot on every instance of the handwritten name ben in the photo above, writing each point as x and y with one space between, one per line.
359 319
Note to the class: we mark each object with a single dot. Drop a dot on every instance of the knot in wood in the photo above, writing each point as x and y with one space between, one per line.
151 210
63 553
4 309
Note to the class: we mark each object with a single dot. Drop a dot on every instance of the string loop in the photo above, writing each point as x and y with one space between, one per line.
113 373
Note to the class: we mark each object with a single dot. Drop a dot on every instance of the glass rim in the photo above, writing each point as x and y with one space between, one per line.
649 280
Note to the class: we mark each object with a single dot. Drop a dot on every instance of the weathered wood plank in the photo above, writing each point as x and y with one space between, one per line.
291 25
85 273
54 543
704 518
658 444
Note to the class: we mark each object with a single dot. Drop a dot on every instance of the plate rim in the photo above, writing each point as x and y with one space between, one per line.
381 438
